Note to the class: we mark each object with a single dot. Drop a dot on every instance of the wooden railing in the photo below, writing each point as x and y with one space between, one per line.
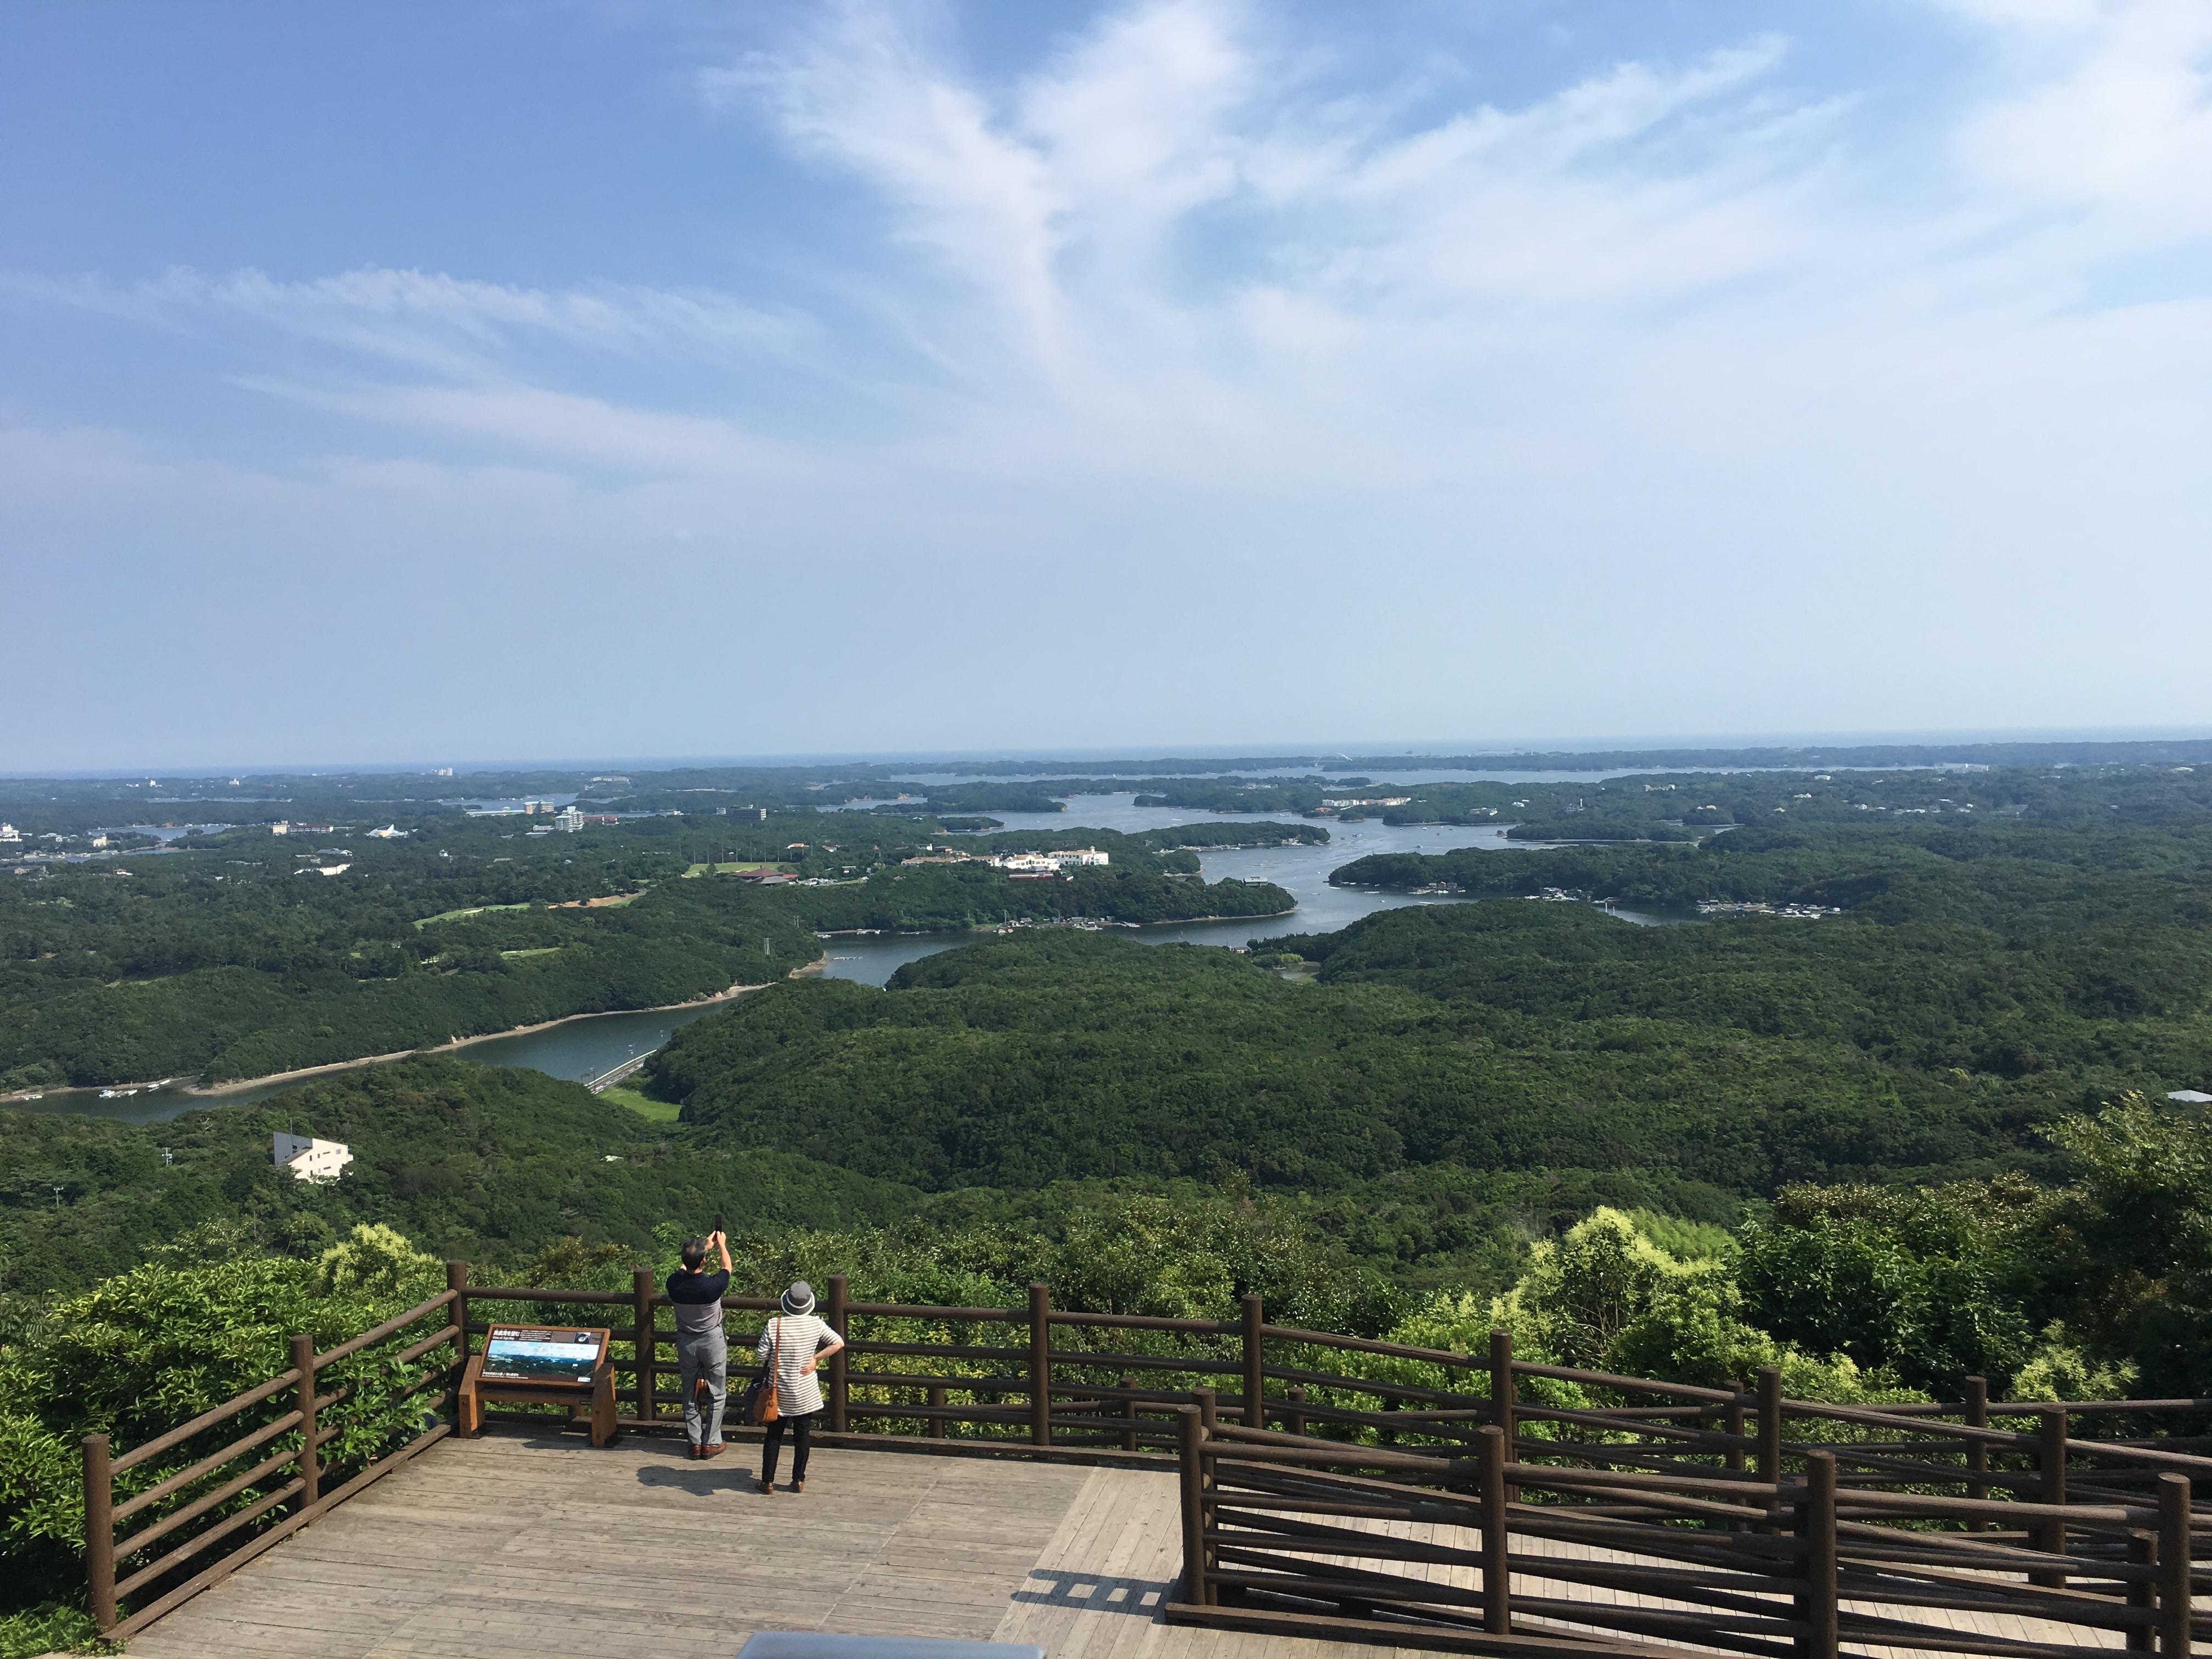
1647 1531
2054 1506
207 1513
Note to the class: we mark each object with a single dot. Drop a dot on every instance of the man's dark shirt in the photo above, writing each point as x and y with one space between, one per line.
698 1300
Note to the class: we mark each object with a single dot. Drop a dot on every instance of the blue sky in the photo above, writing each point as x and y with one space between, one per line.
417 381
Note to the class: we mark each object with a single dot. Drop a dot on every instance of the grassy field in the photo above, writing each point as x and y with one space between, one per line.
657 1111
473 910
739 868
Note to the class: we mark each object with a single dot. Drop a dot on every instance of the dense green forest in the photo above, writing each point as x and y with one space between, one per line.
486 1163
1032 1060
237 957
2101 1275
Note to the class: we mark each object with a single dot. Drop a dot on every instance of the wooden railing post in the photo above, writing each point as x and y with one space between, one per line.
1505 1396
1819 1606
310 1478
99 1532
2173 1586
1255 1366
457 1282
1977 1451
1736 1424
1128 1414
838 1320
2051 1486
937 1399
644 1345
2142 1592
1294 1420
1190 1441
1496 1540
1770 1423
1040 1365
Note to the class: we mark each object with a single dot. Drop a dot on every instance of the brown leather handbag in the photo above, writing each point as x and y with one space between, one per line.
759 1404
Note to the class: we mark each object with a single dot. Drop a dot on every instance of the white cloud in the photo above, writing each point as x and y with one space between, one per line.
431 318
592 432
2109 116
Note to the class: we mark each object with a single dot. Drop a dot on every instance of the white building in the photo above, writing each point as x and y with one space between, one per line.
390 832
10 832
569 820
1047 863
308 1158
280 828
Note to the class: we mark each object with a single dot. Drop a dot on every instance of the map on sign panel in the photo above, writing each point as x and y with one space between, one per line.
539 1353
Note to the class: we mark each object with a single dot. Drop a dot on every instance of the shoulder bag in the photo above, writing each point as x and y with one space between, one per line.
759 1404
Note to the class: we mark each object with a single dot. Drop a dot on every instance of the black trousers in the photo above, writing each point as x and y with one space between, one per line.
802 1440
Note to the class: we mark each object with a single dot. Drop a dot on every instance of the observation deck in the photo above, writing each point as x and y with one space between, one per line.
521 1543
1352 1493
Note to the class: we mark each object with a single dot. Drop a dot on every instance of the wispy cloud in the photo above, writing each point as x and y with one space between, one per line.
431 318
1182 242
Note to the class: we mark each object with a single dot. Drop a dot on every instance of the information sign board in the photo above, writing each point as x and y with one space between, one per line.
542 1353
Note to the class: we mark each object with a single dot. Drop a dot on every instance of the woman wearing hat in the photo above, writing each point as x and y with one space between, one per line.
798 1342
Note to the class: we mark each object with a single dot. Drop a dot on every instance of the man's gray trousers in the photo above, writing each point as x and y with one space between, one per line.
703 1354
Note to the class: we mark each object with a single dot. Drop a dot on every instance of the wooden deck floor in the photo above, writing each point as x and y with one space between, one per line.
517 1543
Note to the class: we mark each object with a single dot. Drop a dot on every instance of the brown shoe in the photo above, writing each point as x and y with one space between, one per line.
767 1490
691 1450
798 1485
712 1448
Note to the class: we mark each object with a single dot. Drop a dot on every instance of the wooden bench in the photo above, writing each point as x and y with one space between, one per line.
591 1391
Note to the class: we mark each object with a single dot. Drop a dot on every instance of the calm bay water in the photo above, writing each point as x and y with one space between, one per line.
579 1049
1302 870
593 1044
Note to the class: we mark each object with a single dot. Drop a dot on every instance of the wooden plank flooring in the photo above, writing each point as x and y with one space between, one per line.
519 1543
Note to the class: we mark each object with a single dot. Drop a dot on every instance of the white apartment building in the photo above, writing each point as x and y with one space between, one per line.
308 1158
10 832
569 820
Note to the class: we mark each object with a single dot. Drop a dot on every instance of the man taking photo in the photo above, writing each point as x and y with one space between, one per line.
701 1355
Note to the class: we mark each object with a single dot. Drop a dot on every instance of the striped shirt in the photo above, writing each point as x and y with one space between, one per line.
796 1339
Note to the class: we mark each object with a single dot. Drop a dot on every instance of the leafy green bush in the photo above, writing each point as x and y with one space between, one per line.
1920 1282
151 1348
